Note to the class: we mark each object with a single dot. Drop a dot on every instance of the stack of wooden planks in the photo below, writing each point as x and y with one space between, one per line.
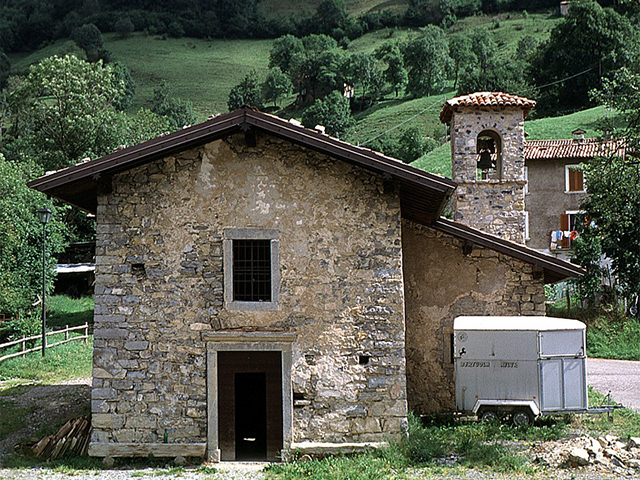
72 439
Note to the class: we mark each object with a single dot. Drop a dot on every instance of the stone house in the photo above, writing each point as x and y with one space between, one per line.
262 287
556 188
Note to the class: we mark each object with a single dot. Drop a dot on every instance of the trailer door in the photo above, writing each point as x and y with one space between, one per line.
562 384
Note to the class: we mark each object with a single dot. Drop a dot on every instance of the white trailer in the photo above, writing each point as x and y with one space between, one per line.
521 367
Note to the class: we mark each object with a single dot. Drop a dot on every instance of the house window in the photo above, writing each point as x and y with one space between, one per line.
526 179
251 269
561 239
573 179
526 226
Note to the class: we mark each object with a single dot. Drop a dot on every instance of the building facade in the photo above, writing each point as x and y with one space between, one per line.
263 288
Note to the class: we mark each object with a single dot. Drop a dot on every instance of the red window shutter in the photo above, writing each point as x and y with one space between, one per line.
579 180
564 226
576 180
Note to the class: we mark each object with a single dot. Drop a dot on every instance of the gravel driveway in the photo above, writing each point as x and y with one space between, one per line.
622 377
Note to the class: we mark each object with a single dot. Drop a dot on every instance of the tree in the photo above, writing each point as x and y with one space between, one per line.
178 112
89 38
318 70
487 72
395 73
276 86
526 48
461 54
64 110
589 44
612 208
283 50
330 15
332 112
613 205
21 238
124 27
363 71
5 68
122 76
427 59
247 92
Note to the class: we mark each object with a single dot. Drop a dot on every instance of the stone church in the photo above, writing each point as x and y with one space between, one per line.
262 287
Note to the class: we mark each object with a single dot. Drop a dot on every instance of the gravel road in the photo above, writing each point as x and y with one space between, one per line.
238 471
622 377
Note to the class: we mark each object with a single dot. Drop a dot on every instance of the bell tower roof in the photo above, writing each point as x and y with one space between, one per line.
493 100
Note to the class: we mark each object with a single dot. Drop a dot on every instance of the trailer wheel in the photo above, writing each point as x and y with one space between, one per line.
522 417
486 415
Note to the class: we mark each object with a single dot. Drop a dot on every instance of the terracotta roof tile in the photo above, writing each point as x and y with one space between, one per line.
495 100
583 149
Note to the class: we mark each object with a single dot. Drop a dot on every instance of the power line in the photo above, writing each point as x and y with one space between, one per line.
557 81
437 102
443 98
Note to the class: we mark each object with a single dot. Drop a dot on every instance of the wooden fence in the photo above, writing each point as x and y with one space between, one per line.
23 341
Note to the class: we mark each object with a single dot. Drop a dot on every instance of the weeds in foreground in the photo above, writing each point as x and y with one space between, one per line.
622 422
369 466
472 445
614 337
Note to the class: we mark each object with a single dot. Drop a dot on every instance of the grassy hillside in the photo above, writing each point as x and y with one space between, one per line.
507 29
394 115
306 8
439 160
204 71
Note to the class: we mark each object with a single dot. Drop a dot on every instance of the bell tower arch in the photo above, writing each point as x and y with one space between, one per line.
487 161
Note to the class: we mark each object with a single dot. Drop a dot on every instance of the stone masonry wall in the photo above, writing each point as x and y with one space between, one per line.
442 283
159 284
494 206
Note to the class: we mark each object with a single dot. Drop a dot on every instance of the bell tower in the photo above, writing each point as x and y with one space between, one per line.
487 161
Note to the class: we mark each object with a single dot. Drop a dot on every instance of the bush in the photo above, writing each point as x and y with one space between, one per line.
247 92
332 112
124 27
26 324
21 242
178 112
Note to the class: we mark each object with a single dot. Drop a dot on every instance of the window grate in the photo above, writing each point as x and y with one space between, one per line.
252 270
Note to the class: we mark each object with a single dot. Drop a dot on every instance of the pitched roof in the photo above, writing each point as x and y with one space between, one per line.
581 149
422 195
554 269
495 100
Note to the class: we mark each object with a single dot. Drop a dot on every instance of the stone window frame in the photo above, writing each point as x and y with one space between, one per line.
231 234
255 342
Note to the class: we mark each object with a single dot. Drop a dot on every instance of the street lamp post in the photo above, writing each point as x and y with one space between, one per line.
45 216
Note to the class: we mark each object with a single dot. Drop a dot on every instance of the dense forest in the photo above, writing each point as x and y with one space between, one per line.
29 24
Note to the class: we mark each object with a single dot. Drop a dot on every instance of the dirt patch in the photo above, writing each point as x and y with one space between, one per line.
31 411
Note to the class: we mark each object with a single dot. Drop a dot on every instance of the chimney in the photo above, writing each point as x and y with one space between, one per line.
578 135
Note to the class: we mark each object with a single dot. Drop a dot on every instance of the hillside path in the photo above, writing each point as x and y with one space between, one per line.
621 377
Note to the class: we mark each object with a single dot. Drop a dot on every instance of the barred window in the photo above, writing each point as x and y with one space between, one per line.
252 270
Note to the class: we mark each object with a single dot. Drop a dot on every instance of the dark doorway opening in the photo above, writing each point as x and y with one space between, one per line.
251 425
250 405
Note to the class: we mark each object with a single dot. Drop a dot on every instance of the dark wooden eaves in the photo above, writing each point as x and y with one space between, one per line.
422 195
554 269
